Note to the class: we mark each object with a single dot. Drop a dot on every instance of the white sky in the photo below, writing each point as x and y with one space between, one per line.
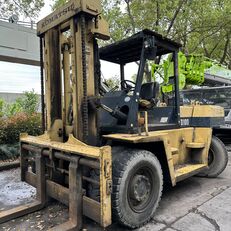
17 78
46 9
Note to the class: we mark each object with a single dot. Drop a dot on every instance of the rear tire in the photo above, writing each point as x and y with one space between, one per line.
217 160
137 186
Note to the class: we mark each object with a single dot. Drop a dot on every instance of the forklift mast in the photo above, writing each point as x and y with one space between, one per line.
68 47
60 159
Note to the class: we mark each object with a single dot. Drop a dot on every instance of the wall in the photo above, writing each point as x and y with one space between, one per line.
18 44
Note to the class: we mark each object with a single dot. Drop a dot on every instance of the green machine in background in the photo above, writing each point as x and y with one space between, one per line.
192 70
198 70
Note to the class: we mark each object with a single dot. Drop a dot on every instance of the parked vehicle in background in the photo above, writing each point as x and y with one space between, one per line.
220 96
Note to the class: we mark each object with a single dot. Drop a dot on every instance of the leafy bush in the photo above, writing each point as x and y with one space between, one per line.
28 104
15 118
11 109
11 127
9 151
2 103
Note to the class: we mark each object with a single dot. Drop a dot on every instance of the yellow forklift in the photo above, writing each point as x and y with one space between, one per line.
106 154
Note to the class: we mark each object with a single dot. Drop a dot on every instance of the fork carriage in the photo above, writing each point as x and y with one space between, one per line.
57 171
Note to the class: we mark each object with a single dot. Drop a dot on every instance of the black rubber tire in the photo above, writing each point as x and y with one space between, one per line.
219 159
125 163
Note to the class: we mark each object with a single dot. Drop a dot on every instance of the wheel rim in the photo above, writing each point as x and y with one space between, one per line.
141 191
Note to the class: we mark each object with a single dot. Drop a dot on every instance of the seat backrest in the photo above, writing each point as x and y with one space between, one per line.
149 90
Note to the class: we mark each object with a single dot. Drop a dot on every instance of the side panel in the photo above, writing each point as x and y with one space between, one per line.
186 149
202 116
204 135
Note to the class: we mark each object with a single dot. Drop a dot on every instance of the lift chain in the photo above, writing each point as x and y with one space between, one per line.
42 84
84 65
97 74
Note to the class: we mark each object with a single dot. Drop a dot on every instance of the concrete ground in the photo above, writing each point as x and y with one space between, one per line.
196 204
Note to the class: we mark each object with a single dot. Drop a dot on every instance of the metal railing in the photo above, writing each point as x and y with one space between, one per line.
30 24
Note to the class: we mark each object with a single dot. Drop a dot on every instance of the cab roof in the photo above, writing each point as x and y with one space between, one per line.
129 49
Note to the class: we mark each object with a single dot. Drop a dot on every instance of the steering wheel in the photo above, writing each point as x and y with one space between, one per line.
126 85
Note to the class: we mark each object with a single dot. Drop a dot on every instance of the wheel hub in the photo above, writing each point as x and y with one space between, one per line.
140 188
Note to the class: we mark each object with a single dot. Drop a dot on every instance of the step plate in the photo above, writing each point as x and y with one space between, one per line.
188 170
195 145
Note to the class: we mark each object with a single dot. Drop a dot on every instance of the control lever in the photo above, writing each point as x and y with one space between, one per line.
115 113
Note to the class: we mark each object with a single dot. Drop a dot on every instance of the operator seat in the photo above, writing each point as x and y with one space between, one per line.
148 94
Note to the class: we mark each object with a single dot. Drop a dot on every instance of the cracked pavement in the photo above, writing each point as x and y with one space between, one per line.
195 204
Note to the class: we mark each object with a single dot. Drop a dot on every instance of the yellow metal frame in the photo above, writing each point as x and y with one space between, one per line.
201 111
74 147
66 12
180 146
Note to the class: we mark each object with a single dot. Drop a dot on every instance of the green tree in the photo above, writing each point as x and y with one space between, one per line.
200 26
26 8
58 3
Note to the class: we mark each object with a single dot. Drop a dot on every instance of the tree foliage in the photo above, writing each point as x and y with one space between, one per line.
201 26
58 3
112 82
26 8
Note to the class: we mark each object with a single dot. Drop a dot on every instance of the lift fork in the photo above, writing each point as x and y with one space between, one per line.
75 195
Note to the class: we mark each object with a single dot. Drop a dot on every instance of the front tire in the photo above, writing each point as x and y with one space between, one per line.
137 186
217 159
